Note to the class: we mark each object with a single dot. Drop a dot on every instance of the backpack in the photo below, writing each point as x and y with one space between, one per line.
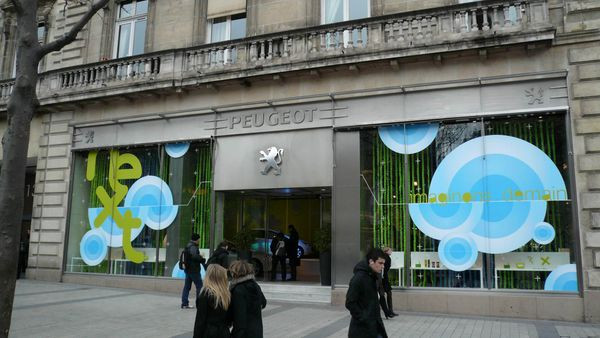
183 258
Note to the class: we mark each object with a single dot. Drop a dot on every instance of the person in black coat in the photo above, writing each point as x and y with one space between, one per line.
292 250
212 319
220 255
192 261
386 287
361 298
247 302
278 256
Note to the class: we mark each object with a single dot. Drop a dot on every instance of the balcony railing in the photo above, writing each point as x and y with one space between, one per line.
471 25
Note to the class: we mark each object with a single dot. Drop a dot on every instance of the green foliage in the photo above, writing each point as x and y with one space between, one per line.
243 239
322 239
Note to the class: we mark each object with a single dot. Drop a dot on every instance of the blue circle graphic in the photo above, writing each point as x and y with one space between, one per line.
93 248
563 278
178 273
408 139
155 200
177 150
458 252
543 233
440 219
113 233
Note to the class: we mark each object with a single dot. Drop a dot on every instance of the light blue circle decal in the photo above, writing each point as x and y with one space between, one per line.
408 139
543 233
154 199
178 273
113 233
177 150
440 219
458 252
494 189
563 278
93 248
507 231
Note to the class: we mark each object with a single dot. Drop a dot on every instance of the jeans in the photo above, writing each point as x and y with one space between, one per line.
189 278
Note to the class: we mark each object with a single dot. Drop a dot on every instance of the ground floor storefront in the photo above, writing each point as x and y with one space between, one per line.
471 184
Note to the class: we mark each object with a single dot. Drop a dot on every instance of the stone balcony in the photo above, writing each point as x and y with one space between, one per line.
477 25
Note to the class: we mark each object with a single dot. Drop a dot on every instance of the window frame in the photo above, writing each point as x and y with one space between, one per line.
132 19
209 24
345 11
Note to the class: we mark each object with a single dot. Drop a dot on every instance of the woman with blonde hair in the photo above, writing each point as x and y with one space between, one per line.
212 305
247 301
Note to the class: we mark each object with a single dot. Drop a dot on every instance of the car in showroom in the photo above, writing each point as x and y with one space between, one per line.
261 249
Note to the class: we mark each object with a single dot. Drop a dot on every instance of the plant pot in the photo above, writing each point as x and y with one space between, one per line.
325 267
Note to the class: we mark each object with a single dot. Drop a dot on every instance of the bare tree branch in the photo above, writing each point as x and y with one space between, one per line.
66 39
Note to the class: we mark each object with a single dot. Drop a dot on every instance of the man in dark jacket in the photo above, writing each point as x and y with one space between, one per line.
278 254
361 298
292 250
192 259
220 255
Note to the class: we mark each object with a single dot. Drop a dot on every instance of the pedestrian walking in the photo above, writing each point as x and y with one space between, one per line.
190 260
278 253
361 298
211 306
292 250
247 302
220 255
384 287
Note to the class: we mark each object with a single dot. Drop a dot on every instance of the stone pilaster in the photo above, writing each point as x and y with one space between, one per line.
48 226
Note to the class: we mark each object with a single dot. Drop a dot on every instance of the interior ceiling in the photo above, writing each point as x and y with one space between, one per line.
285 192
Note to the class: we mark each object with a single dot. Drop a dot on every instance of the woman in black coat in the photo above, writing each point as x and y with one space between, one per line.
212 319
247 302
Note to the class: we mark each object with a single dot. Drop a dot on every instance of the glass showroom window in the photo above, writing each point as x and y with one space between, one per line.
130 29
227 28
133 209
343 10
480 203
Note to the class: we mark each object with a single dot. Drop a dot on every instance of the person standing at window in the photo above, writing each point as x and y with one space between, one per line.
212 305
192 260
247 302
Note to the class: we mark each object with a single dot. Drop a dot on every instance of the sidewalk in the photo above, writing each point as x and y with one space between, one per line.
67 310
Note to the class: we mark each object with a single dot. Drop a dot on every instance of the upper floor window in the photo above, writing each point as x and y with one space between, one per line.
344 10
227 28
130 28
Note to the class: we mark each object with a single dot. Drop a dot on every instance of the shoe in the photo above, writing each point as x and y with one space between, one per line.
395 314
390 315
187 307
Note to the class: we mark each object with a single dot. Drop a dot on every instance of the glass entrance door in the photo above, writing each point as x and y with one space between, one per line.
252 220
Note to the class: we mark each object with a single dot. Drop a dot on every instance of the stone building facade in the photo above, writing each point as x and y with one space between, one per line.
182 97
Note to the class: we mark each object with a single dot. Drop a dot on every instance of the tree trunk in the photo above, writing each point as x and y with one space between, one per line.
21 107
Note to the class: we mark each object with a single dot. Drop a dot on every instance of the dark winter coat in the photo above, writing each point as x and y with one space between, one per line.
247 302
193 258
386 268
219 257
363 303
210 321
292 244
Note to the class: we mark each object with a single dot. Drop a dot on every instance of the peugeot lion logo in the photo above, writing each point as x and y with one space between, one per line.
272 158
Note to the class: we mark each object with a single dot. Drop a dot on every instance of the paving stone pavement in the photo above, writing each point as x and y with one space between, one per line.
44 309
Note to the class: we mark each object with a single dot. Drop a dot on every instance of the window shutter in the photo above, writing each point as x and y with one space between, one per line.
218 8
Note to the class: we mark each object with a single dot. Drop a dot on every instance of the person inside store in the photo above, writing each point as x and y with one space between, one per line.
212 319
190 260
278 253
361 297
292 250
247 301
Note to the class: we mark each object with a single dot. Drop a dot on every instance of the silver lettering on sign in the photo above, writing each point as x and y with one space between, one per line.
273 119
